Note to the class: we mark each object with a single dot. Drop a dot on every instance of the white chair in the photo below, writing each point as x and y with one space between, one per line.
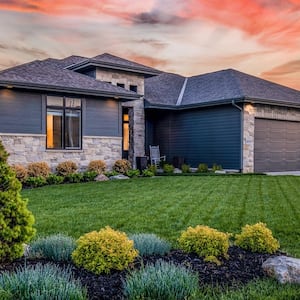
155 157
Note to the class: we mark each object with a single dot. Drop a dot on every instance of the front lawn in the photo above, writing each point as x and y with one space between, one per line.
168 205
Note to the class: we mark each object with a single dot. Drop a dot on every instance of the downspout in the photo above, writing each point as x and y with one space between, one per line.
242 133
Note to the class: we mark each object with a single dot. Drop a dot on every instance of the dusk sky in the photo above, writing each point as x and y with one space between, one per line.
188 37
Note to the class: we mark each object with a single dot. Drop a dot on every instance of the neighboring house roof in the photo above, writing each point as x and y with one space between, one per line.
110 61
50 75
71 60
216 88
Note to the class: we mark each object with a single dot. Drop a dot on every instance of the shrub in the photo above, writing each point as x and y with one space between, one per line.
152 168
216 167
66 168
111 173
161 281
122 166
54 179
89 176
74 178
206 242
103 251
98 166
34 182
202 168
133 173
149 243
15 219
57 247
41 282
21 172
185 168
169 169
148 173
38 169
257 238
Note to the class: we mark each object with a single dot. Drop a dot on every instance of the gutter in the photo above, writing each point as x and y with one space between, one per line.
41 87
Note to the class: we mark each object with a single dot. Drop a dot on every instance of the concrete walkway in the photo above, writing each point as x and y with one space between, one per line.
295 173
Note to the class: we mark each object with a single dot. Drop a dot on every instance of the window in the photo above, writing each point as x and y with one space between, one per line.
122 85
63 123
133 88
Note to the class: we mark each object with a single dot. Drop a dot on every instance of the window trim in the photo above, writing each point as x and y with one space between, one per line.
64 108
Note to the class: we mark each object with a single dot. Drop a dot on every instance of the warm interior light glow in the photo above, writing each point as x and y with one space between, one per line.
125 136
50 143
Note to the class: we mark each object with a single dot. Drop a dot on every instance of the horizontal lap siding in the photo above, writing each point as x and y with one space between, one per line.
201 136
20 112
102 118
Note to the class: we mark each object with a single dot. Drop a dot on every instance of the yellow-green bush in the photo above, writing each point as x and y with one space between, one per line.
206 242
21 172
103 251
98 166
257 238
37 169
66 168
122 166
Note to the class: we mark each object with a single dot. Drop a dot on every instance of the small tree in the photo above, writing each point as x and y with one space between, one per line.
15 219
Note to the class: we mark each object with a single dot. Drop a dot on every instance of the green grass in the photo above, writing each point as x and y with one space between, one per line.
167 205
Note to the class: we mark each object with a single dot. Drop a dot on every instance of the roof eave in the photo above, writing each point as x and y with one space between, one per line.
40 87
83 65
271 102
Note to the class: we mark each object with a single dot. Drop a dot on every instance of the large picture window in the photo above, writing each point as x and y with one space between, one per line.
63 123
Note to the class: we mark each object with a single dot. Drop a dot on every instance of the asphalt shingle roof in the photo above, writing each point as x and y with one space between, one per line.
50 75
110 61
217 87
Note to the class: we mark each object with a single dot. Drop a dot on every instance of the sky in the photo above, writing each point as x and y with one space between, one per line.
187 37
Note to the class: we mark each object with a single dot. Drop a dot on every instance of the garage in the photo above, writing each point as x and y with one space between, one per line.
276 145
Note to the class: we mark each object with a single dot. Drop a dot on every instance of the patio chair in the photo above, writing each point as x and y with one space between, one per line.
155 157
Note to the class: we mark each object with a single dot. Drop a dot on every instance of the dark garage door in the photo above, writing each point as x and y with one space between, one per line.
276 146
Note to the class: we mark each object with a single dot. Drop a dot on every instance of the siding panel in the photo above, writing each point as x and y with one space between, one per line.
211 135
20 112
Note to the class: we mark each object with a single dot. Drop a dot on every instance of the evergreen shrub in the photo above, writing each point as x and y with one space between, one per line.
21 172
122 166
98 166
66 168
38 169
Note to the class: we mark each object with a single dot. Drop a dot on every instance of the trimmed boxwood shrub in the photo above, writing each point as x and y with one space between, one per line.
121 166
66 168
38 169
16 220
206 242
103 251
257 238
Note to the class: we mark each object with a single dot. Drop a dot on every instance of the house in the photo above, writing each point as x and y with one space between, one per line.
107 107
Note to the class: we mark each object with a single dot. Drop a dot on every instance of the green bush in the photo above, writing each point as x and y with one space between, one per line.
149 243
16 220
202 168
257 238
57 247
98 166
169 169
147 173
122 166
74 178
66 168
111 173
54 179
216 167
133 173
41 283
185 168
21 172
206 242
161 281
38 169
103 251
34 182
89 176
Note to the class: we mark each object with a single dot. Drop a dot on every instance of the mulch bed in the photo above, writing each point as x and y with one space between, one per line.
241 267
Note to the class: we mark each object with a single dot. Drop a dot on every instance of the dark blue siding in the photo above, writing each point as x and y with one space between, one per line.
102 118
20 112
211 135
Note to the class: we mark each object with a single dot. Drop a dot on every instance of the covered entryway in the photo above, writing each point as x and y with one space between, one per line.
276 145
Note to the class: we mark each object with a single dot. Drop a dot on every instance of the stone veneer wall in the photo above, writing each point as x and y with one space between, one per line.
261 111
128 78
26 148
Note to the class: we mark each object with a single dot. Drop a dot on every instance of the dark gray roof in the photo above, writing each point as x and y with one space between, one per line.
163 89
110 61
50 75
217 88
71 60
